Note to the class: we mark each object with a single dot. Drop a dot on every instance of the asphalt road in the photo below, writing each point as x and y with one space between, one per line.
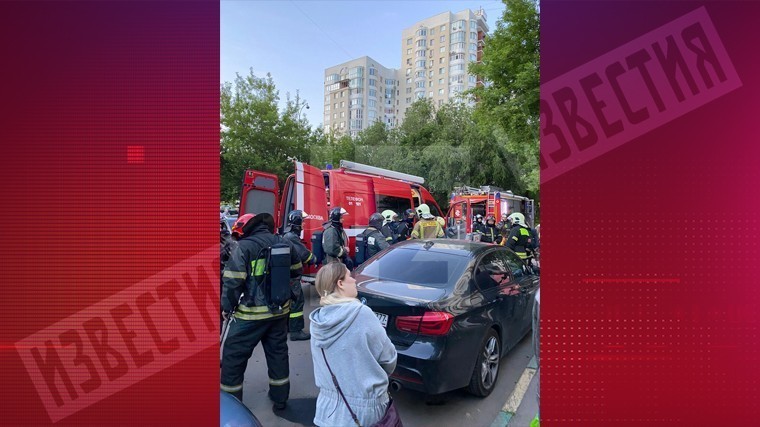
456 408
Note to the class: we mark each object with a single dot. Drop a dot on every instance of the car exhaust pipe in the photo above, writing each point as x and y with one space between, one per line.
395 385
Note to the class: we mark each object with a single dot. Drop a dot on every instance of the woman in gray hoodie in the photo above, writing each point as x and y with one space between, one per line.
357 348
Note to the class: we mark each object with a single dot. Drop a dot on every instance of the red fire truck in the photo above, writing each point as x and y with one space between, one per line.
466 202
360 189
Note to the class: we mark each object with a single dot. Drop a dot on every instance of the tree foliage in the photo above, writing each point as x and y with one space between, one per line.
508 106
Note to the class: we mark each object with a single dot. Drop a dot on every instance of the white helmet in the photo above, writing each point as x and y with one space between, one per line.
389 216
517 218
423 211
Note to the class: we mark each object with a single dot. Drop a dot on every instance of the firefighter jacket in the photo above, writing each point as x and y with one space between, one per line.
427 229
490 234
519 240
245 274
334 240
403 230
478 227
304 254
390 232
375 241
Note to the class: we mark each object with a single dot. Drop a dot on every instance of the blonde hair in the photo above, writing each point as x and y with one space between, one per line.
327 283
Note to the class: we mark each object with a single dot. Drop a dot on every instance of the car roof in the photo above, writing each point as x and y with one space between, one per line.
464 248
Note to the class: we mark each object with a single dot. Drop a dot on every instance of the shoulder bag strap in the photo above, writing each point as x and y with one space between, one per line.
335 382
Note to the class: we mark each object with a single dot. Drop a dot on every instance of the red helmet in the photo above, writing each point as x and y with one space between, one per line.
237 228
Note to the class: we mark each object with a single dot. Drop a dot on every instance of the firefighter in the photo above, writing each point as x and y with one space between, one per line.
503 224
406 225
520 238
293 235
229 243
478 226
249 317
373 237
490 232
390 226
334 239
427 227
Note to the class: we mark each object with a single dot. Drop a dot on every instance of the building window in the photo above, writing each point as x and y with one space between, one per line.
421 53
408 71
440 70
390 82
443 28
443 39
431 43
408 90
430 94
440 91
473 47
409 51
408 61
440 60
430 74
336 106
342 125
371 71
421 63
421 43
342 114
335 95
420 84
432 63
457 37
327 107
371 115
473 36
373 92
408 42
342 104
335 116
440 81
473 57
432 31
422 32
372 103
372 82
458 25
442 49
472 79
408 100
440 102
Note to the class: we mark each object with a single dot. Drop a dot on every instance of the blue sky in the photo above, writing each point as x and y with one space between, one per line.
296 40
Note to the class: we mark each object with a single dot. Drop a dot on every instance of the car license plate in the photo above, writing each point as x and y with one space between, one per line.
383 319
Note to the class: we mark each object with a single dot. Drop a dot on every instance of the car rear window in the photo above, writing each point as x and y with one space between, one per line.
417 267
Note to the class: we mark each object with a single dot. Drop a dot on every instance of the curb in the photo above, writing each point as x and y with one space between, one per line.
515 398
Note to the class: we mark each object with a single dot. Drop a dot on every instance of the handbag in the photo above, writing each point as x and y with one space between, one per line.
390 418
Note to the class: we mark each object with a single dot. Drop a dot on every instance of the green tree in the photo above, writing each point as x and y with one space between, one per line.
256 134
508 107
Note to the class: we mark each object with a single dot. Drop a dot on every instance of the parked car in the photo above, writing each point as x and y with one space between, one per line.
452 308
232 413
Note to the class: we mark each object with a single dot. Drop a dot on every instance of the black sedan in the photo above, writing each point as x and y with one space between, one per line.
452 308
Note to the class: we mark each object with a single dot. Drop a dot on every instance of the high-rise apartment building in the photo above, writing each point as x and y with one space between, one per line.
358 93
434 57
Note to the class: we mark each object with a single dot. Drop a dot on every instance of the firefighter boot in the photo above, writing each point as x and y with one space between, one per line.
299 336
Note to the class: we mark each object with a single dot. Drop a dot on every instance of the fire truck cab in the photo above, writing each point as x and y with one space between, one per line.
467 202
360 189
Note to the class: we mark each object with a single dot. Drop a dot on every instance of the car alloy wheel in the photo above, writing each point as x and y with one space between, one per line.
489 368
486 371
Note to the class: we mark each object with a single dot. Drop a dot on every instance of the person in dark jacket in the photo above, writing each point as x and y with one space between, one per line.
335 240
406 225
249 317
373 237
478 226
390 226
490 232
519 239
293 235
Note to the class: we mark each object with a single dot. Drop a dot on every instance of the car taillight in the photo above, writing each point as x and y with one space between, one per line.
433 323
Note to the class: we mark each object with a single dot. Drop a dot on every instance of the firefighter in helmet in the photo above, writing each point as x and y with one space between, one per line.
478 226
490 232
406 225
373 237
293 235
335 240
427 227
520 237
250 315
390 226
